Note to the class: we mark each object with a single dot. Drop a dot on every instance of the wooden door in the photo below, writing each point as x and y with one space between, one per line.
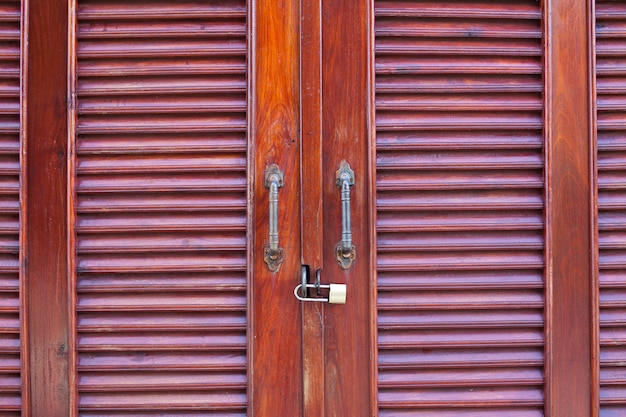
480 206
146 131
143 292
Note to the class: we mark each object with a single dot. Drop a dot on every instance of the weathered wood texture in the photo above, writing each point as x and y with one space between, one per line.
44 155
345 116
460 197
10 386
160 204
275 319
611 105
569 212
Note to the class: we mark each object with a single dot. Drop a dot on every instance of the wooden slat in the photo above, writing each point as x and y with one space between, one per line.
160 183
10 381
10 173
611 81
460 223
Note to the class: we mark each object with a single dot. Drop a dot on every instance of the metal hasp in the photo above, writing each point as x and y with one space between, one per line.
273 254
336 292
345 250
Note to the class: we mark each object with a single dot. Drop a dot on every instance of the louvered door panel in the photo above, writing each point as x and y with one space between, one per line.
460 221
160 202
10 386
611 89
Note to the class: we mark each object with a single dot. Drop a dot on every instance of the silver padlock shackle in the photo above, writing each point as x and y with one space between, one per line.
296 290
336 293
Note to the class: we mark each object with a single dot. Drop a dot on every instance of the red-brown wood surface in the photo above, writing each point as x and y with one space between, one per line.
345 110
460 222
45 207
176 313
611 107
10 386
275 319
160 183
570 150
312 235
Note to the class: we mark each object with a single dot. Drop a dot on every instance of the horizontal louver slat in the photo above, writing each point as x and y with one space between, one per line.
611 105
460 223
161 208
10 382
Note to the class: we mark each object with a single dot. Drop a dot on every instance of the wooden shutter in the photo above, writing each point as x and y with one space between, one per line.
611 103
160 203
460 200
10 386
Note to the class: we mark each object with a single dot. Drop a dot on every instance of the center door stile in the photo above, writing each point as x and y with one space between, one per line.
338 341
311 32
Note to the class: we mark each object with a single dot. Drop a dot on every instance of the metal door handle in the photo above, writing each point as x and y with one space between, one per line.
345 251
273 254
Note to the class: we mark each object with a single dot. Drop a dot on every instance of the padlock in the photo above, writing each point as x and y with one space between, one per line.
336 293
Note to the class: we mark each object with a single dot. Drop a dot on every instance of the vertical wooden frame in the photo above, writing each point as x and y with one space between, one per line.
547 117
71 200
24 341
339 348
312 238
570 318
371 149
594 231
45 208
346 130
250 215
274 326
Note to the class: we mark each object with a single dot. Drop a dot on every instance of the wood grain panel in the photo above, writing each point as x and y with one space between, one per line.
460 208
10 48
275 315
45 230
160 201
313 349
611 87
346 116
571 377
